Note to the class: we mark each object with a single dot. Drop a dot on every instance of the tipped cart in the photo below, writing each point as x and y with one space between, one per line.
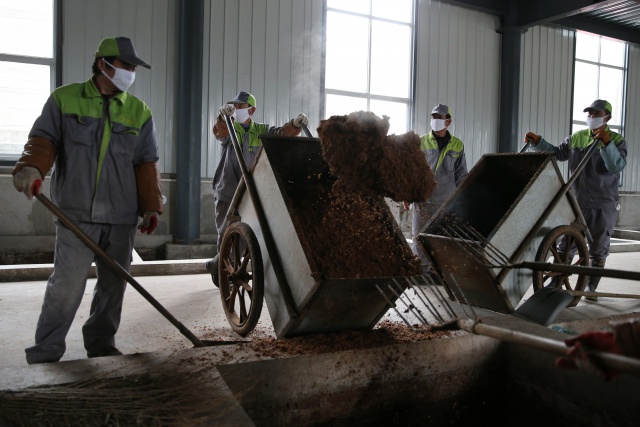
510 207
262 252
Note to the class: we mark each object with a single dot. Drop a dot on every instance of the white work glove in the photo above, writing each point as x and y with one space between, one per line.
228 110
28 181
149 222
301 119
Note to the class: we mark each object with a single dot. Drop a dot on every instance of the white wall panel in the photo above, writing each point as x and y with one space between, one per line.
271 48
458 64
546 84
152 25
632 129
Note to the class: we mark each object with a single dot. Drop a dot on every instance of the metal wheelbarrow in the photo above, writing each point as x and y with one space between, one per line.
262 256
510 207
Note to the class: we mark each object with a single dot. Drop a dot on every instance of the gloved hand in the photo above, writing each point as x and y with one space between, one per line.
28 181
227 110
532 138
602 135
301 119
579 357
149 222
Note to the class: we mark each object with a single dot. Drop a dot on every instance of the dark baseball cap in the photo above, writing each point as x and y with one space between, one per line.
442 110
122 48
244 98
599 105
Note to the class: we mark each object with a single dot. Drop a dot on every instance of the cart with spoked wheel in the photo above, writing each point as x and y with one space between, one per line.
263 254
511 206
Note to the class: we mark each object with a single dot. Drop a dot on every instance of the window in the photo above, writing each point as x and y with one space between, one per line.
27 69
600 73
369 52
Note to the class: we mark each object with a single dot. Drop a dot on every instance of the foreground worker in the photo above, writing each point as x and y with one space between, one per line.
228 172
103 142
446 158
622 339
597 186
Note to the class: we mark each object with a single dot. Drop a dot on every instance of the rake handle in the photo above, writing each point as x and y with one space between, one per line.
116 268
610 361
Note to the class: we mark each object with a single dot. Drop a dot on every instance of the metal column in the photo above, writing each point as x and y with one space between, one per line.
508 139
189 121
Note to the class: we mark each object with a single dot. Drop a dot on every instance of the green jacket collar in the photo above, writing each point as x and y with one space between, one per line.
91 91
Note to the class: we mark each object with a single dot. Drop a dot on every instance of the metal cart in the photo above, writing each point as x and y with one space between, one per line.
516 205
261 253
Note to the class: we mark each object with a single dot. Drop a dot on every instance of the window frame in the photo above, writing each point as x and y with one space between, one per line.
367 95
54 63
625 70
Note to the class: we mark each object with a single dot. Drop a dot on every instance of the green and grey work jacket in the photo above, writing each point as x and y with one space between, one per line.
597 185
228 172
99 142
448 165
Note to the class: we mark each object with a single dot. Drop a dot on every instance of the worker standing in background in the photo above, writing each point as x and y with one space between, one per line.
103 142
446 158
228 172
597 186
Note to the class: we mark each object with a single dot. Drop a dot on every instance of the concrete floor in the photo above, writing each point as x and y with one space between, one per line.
195 302
150 339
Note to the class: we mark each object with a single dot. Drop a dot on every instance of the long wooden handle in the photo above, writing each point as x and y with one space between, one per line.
608 360
115 267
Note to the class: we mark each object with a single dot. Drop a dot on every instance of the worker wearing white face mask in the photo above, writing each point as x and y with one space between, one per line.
102 141
446 158
596 188
228 172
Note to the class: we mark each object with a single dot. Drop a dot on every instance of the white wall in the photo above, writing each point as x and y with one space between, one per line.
152 25
271 48
458 64
631 180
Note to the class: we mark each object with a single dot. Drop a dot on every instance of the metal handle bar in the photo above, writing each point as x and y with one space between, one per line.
116 268
264 225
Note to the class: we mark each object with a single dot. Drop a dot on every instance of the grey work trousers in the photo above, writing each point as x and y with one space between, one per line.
66 286
222 206
601 223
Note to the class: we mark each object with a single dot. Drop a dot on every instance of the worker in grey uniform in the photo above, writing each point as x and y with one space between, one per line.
228 172
446 158
597 186
103 143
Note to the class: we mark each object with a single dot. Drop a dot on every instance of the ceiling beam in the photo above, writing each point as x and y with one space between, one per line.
626 34
540 12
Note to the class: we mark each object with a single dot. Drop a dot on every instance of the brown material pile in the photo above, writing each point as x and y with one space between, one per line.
344 222
263 344
364 158
348 235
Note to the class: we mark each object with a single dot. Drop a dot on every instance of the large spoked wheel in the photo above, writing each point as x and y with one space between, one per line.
550 251
241 278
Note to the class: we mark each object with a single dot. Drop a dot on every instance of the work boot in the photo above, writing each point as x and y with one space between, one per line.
212 268
109 351
593 282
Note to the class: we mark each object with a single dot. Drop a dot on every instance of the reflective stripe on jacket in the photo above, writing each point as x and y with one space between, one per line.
228 172
597 185
448 165
99 142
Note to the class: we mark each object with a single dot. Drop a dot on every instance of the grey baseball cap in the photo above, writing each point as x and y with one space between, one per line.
122 48
442 110
244 98
599 105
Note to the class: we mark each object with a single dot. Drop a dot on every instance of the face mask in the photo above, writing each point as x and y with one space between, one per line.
437 124
595 122
242 114
122 79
